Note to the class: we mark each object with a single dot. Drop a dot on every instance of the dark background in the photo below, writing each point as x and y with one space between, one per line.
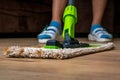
27 18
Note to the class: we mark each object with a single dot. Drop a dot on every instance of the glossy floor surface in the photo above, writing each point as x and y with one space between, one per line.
98 66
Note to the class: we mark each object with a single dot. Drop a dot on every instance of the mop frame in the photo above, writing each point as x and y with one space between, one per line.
35 52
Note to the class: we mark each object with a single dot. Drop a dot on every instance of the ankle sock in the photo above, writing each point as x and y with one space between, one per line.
56 24
95 26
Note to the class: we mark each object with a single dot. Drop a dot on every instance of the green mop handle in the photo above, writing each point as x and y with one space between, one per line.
71 2
69 19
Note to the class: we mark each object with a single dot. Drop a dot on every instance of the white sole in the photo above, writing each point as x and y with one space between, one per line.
44 41
94 38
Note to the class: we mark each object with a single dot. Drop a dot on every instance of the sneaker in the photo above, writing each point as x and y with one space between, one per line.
49 32
98 33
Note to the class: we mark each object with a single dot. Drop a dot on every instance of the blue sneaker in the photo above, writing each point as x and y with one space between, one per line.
50 32
98 33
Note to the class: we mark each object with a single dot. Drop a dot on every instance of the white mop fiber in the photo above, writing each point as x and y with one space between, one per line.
33 52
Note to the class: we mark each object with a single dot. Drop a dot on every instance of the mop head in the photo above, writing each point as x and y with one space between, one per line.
40 52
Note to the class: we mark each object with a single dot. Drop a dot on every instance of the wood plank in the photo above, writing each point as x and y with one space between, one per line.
99 66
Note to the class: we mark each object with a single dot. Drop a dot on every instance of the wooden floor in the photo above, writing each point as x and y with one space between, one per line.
98 66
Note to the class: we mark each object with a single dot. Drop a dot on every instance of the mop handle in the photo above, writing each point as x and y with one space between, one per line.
71 2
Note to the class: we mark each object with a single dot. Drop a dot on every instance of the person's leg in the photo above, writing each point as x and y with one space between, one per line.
54 28
97 32
98 10
57 9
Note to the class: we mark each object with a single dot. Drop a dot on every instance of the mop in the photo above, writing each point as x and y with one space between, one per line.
53 49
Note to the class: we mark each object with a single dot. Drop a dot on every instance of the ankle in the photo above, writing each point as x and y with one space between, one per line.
56 24
94 26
